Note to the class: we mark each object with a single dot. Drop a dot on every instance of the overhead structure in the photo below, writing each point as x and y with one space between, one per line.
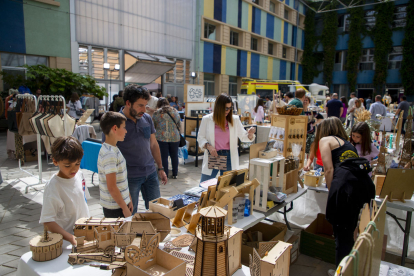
321 6
145 68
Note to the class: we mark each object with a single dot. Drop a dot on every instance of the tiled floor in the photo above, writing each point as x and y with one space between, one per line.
20 212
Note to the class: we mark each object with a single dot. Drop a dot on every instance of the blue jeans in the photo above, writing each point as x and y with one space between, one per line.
170 148
318 166
148 185
205 177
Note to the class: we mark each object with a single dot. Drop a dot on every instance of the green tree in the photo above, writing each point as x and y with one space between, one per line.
309 60
55 81
407 65
382 34
356 29
329 38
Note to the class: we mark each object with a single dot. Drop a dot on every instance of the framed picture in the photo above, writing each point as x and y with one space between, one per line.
193 93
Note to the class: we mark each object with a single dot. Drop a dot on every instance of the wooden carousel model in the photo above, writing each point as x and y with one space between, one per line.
46 247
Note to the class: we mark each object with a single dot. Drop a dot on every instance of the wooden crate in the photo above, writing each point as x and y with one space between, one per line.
295 132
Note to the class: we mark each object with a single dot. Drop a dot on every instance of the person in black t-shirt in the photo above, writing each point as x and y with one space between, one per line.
334 107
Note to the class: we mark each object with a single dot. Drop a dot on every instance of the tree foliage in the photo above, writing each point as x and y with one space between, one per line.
407 65
309 59
382 36
329 38
356 29
55 81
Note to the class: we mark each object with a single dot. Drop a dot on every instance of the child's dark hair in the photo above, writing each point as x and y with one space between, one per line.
67 148
362 129
110 119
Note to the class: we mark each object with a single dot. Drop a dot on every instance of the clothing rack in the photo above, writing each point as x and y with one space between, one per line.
39 147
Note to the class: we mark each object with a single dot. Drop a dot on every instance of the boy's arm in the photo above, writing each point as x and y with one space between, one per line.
116 194
55 228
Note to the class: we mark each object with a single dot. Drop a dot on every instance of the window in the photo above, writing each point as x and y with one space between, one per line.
179 71
270 49
221 249
343 22
209 31
97 63
112 57
12 60
367 60
256 1
169 76
272 7
400 16
209 84
232 86
83 60
340 60
286 14
234 38
253 44
395 58
370 19
284 52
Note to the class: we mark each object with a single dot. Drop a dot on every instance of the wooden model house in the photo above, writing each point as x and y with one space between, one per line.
218 247
273 258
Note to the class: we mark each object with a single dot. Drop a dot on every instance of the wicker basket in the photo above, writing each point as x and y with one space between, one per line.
292 111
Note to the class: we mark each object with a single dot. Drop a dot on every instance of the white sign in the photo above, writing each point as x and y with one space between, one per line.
195 93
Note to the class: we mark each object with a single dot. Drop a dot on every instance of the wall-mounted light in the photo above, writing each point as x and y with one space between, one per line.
117 67
193 74
106 65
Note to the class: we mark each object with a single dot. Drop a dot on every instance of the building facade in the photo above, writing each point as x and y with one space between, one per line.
367 65
34 32
259 39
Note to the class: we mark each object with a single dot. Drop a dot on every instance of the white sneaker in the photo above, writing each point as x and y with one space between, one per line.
331 272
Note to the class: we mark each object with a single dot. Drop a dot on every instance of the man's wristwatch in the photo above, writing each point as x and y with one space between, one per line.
160 169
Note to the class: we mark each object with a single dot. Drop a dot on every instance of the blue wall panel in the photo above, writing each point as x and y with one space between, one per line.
254 66
339 77
394 76
256 20
300 73
241 63
293 71
294 35
303 40
239 15
366 76
220 10
208 53
282 70
285 33
287 2
397 37
341 42
217 59
270 26
12 36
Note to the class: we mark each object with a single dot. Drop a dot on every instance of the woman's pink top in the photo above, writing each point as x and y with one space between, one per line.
374 152
258 117
222 138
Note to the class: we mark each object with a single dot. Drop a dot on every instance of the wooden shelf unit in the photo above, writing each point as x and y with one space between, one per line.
190 124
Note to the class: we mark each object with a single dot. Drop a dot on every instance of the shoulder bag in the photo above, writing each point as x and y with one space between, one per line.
182 139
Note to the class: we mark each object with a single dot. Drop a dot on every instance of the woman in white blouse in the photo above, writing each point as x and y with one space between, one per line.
74 105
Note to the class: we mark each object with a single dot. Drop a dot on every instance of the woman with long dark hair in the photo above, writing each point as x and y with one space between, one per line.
218 136
361 139
258 111
74 105
347 179
167 122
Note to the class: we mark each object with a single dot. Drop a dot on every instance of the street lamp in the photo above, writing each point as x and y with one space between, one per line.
107 66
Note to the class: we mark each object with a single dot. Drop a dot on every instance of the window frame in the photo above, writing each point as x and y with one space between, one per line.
362 63
232 33
274 5
208 24
397 62
251 43
208 83
272 53
396 13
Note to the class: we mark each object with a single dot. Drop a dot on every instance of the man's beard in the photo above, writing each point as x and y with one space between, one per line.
135 114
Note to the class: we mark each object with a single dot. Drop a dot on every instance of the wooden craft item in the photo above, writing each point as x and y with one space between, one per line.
211 194
407 150
85 116
399 127
183 240
227 197
363 247
178 221
273 258
137 256
223 181
160 222
46 247
169 247
378 182
193 223
188 259
398 185
189 212
217 163
203 201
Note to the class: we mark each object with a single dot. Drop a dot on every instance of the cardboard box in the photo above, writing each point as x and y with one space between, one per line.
294 253
317 240
168 212
270 232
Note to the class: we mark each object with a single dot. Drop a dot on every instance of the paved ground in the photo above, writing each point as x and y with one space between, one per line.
20 212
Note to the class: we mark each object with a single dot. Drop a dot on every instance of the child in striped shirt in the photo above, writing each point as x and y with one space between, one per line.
113 183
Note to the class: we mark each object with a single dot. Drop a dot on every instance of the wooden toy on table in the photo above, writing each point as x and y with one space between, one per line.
273 258
46 247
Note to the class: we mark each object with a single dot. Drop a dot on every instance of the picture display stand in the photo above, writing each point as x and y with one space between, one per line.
398 185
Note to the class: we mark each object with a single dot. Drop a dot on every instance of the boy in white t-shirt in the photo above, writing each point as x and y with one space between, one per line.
113 183
64 199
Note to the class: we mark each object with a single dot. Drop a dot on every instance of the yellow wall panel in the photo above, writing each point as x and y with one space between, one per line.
209 8
249 19
282 30
270 68
249 55
223 60
297 72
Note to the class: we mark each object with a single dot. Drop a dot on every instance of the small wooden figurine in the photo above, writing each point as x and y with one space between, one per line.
46 247
218 247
